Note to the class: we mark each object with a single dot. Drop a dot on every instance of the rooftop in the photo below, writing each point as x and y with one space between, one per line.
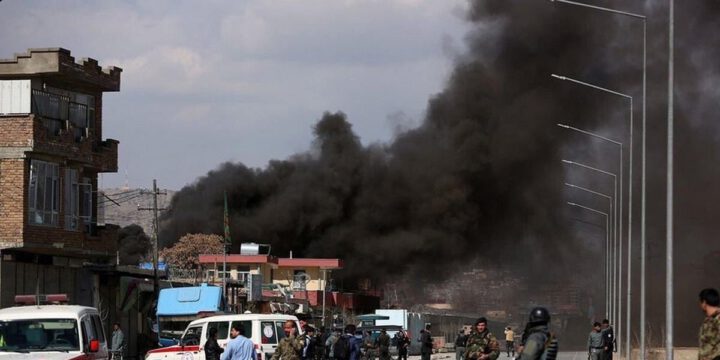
322 263
59 65
43 311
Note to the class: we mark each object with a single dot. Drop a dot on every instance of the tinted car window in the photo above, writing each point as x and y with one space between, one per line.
98 328
91 333
269 332
247 325
192 336
222 329
279 330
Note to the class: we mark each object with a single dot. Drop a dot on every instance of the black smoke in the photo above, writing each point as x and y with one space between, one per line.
480 181
133 245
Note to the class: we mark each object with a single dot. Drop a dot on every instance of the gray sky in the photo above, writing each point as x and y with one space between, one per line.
211 81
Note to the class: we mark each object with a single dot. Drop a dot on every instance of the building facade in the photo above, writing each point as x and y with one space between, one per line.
51 152
303 281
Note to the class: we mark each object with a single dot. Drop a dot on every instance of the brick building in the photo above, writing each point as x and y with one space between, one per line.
51 152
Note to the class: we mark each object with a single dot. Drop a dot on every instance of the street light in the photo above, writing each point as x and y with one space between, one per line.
610 206
669 197
614 257
642 181
607 240
628 305
617 274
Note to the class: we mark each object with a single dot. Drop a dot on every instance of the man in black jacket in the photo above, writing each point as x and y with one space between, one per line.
460 342
212 348
403 342
608 335
426 343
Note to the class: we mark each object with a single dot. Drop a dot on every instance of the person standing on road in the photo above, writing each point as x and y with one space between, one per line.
383 342
320 337
347 346
595 343
403 342
212 348
539 342
118 341
426 343
330 343
510 341
710 329
240 347
308 351
608 340
481 344
460 342
291 346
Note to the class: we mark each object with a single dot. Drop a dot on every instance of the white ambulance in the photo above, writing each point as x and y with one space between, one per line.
52 332
265 331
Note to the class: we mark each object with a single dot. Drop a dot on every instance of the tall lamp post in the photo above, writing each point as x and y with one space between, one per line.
669 198
643 18
614 256
610 206
607 236
628 304
617 275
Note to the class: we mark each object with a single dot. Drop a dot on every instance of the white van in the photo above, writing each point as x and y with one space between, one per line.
265 331
55 332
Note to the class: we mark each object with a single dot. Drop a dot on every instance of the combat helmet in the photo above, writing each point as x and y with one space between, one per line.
539 315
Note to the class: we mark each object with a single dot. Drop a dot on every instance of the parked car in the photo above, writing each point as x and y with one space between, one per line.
265 331
52 332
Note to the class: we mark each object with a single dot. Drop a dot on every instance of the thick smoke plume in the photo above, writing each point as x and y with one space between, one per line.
481 178
134 245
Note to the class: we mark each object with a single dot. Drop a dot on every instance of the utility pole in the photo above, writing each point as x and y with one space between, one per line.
155 209
669 198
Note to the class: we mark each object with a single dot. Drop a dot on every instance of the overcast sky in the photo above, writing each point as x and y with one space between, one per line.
209 81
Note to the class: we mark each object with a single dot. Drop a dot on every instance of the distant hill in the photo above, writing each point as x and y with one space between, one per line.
120 206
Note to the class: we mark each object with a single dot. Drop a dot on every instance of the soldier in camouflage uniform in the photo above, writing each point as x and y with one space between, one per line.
383 342
291 346
710 330
481 344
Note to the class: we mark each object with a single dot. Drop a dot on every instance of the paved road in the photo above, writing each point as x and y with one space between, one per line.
563 355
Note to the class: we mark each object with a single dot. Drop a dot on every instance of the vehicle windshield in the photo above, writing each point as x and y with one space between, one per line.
28 335
173 327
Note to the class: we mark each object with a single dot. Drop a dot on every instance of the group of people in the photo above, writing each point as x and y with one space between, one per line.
601 341
239 347
537 340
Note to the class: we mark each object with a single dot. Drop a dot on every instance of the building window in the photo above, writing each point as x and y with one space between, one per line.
227 274
72 199
43 193
63 109
300 280
86 203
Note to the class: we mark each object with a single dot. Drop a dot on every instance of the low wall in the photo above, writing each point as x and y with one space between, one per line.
679 353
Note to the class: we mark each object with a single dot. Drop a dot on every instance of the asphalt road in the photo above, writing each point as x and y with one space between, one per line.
563 355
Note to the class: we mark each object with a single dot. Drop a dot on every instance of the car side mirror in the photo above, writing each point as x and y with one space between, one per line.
94 345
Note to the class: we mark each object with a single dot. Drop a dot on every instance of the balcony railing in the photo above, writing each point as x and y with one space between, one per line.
60 113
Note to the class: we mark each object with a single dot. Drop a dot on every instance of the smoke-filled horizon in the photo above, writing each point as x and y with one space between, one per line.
480 180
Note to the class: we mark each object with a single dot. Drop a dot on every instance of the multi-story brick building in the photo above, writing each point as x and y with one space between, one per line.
51 152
